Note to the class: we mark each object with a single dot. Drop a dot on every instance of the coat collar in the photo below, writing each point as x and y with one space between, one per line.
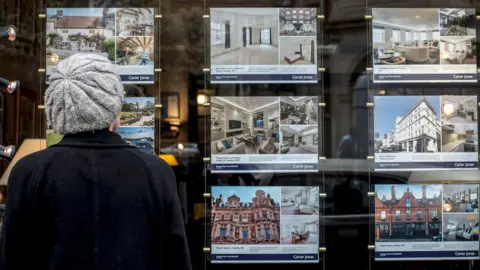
98 138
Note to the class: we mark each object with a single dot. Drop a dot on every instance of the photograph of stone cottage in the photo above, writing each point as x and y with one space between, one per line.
408 213
245 215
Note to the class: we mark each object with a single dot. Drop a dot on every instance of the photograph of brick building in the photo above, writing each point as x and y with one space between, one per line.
245 215
408 212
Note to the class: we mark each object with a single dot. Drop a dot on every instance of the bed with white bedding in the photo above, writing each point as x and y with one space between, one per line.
293 58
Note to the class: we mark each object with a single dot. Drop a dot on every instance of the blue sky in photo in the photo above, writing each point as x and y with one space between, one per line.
388 108
136 132
141 100
385 190
93 12
245 193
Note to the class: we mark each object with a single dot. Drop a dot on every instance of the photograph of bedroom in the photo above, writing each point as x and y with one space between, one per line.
298 22
298 51
300 201
299 139
405 36
298 110
298 230
244 36
458 50
245 125
457 22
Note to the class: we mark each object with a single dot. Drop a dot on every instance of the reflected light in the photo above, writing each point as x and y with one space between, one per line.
12 35
447 207
7 152
381 92
54 58
12 86
201 98
180 146
448 109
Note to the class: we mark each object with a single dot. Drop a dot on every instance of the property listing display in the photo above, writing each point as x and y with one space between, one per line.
422 222
265 224
424 45
124 35
264 134
426 133
263 45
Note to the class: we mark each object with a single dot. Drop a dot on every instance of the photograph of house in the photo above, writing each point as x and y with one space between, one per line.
298 51
408 212
457 22
138 111
245 125
79 30
416 128
296 139
459 123
244 36
135 51
300 230
300 201
458 50
299 110
141 137
405 36
134 22
460 198
245 215
460 227
298 21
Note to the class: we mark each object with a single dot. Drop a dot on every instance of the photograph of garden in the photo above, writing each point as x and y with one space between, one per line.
138 111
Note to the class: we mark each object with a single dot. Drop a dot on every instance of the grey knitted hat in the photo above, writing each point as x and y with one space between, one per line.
85 94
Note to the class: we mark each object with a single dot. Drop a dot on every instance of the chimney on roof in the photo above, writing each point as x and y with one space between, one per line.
59 13
424 192
393 194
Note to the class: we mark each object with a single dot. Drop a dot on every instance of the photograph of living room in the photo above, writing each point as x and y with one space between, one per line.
135 22
298 21
457 22
135 51
245 125
298 110
298 51
300 201
405 36
458 50
298 230
459 123
244 36
299 139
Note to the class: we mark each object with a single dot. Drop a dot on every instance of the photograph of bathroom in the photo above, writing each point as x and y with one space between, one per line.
298 110
298 230
300 201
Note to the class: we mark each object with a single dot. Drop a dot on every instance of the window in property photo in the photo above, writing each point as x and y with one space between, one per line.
383 215
217 33
434 213
409 216
378 35
397 214
415 36
408 35
407 202
436 35
396 35
419 214
423 35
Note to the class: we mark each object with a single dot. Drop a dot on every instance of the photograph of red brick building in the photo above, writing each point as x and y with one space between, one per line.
249 215
408 212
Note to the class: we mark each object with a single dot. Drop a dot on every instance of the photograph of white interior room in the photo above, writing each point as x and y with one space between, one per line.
457 22
406 36
300 201
299 230
298 21
459 123
299 139
458 50
135 22
299 110
245 125
298 51
244 36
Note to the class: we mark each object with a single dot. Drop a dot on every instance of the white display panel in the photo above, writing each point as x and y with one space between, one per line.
426 222
124 35
265 224
264 134
426 133
424 45
263 45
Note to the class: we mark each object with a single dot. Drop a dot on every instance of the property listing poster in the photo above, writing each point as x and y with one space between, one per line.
426 133
263 45
424 45
422 222
264 134
124 35
265 224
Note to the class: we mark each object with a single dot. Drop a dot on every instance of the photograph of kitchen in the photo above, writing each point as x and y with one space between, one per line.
300 201
298 230
299 139
460 227
244 36
458 50
299 110
298 22
134 21
459 123
405 36
457 22
136 51
245 125
298 51
460 198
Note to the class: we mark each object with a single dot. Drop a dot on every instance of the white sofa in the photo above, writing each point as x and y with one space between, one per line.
413 54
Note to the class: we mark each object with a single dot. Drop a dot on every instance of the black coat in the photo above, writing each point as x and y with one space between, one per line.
93 202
